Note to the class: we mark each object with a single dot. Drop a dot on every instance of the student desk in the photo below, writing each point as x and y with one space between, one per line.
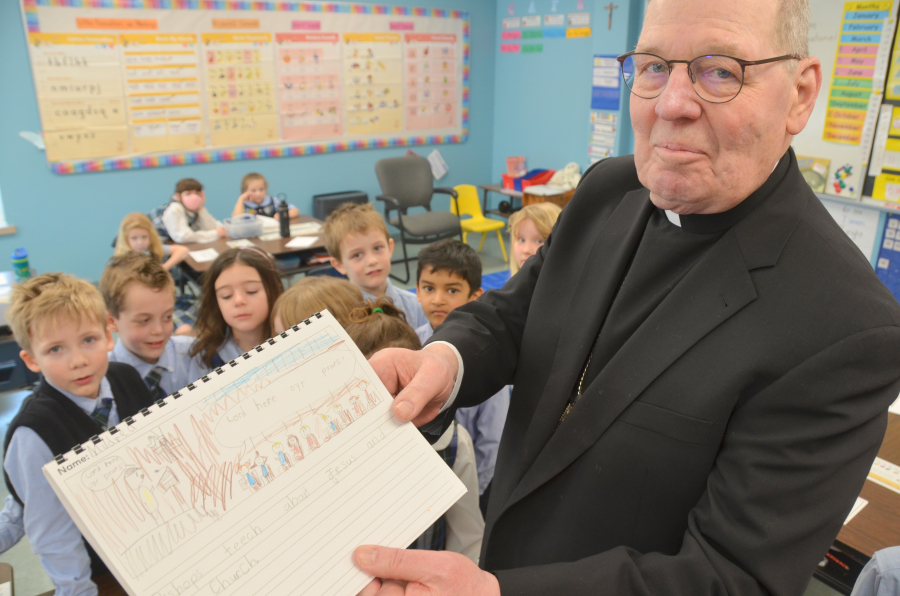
875 527
276 248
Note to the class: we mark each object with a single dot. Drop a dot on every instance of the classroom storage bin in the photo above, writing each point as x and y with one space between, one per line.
243 226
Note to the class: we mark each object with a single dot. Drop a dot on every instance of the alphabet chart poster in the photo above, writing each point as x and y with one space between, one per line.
259 479
145 83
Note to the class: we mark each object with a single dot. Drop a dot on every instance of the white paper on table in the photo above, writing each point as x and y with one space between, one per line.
309 227
240 243
886 474
268 223
269 236
545 190
857 507
301 242
259 479
205 255
895 407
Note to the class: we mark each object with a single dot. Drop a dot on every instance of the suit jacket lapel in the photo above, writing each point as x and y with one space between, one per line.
615 242
714 290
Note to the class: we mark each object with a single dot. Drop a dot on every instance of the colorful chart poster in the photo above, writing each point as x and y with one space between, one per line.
853 42
241 101
892 89
373 74
181 82
888 264
309 85
854 83
431 85
162 88
80 98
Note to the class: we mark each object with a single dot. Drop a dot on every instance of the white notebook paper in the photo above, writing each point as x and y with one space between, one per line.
259 479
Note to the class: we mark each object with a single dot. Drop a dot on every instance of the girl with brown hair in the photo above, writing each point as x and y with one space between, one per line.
239 290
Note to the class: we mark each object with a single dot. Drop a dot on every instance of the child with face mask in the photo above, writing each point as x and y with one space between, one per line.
186 219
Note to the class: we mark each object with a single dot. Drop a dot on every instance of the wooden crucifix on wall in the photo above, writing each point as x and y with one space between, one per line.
610 7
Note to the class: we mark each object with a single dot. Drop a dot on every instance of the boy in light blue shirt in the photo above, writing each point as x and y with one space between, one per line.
448 276
140 298
360 247
60 324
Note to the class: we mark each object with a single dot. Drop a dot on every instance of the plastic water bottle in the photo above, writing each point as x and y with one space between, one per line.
20 264
284 219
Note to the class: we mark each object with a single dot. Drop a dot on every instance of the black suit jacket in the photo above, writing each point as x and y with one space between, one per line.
721 448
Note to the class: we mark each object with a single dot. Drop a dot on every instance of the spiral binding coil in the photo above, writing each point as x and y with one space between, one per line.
128 421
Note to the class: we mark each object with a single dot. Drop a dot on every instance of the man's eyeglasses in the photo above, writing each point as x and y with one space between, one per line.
715 78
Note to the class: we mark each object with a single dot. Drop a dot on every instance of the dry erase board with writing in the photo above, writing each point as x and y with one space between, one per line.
853 41
151 83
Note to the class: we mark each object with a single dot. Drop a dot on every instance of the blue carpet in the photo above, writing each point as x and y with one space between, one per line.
494 281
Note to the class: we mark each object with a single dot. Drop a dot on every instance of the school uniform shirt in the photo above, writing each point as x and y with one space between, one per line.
53 535
405 301
175 218
465 525
484 423
12 524
881 575
268 207
175 359
227 352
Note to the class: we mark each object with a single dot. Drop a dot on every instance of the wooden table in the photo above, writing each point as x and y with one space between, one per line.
876 527
276 248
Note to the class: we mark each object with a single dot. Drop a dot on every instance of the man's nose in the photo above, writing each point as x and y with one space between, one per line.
678 99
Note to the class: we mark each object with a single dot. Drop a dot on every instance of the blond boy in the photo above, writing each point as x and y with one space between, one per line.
140 299
360 247
60 324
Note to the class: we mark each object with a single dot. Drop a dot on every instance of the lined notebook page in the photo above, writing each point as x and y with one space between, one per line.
260 480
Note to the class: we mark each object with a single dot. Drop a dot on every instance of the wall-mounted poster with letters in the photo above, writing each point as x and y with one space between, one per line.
143 83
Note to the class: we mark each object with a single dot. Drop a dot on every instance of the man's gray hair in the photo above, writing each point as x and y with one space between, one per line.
792 28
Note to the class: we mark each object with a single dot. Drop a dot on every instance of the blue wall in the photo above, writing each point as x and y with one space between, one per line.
543 100
67 222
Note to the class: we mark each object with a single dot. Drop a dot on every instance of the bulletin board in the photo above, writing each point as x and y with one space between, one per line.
145 83
853 41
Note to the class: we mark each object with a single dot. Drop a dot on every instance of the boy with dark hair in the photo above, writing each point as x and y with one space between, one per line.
60 324
448 276
186 219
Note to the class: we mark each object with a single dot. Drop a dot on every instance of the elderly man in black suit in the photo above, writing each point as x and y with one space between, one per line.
702 361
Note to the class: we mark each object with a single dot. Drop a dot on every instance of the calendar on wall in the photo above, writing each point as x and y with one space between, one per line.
145 83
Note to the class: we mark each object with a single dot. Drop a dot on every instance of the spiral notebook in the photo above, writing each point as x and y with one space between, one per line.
259 479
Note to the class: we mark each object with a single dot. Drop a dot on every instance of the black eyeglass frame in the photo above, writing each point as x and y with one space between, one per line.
743 64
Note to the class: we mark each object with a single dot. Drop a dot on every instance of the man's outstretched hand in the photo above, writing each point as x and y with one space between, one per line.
405 572
421 382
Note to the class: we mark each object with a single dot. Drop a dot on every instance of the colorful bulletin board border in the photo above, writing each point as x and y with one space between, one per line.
282 149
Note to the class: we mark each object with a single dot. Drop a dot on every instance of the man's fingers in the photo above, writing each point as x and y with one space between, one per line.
371 588
420 381
395 563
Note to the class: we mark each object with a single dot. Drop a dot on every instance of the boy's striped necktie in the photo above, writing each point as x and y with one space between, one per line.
101 411
152 379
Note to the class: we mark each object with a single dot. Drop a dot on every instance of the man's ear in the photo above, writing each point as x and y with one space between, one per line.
337 265
29 361
476 294
807 82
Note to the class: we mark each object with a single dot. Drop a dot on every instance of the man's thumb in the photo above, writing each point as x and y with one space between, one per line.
388 563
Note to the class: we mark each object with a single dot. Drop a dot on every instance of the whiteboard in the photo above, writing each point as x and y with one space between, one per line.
853 42
859 223
149 83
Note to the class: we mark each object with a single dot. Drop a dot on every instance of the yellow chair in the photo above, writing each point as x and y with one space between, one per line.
467 204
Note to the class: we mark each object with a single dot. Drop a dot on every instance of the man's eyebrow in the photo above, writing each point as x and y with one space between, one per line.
724 49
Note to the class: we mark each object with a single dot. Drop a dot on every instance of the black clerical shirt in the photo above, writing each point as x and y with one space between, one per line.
665 254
